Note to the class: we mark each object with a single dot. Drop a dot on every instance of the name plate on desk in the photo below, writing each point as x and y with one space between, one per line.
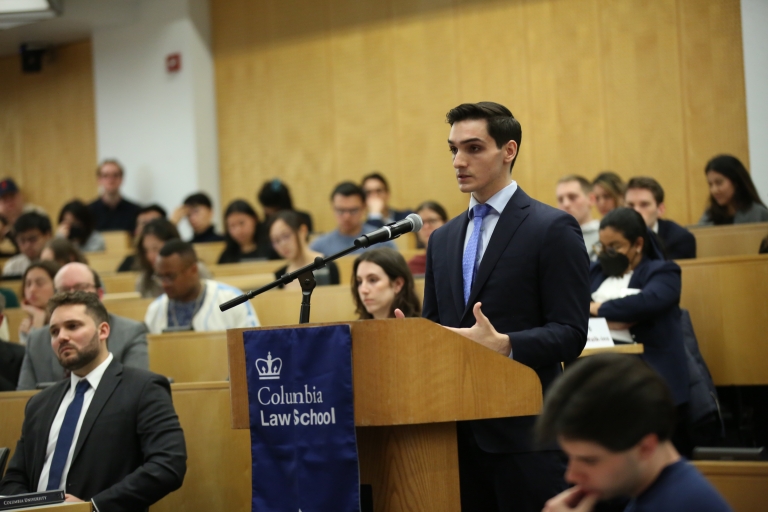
598 334
303 441
34 499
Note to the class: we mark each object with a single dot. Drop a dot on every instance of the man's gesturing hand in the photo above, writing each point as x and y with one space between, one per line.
484 333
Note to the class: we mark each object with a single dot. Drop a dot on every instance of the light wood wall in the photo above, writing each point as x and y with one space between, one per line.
318 92
47 127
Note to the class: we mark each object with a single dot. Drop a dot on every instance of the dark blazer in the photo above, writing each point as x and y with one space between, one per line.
534 285
656 311
11 357
678 241
130 451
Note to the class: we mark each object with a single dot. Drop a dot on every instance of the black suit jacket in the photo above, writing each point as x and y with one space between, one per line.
533 282
130 451
11 357
678 241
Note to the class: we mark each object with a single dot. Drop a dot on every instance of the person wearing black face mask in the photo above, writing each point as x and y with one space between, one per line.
638 292
76 224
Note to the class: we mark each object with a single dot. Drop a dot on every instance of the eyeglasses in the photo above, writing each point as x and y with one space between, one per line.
279 240
347 211
599 248
110 175
77 287
163 278
432 222
24 240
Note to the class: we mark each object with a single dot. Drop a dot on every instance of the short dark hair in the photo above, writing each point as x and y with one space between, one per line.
586 186
185 250
393 264
613 400
502 125
32 220
93 305
744 191
375 176
275 194
647 183
198 199
347 188
112 161
153 208
435 207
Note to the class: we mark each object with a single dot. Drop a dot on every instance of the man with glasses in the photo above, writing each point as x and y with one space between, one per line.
348 202
111 211
376 191
32 231
127 338
189 302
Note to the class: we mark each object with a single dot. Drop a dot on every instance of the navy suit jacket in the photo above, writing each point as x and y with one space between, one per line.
678 241
656 314
533 283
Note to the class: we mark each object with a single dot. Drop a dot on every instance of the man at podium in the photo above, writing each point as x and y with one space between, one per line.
526 264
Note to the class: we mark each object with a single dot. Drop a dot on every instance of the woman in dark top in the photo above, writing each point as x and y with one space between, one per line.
274 196
76 224
381 283
733 198
245 241
288 233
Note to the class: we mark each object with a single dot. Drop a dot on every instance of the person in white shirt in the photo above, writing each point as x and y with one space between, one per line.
574 195
190 302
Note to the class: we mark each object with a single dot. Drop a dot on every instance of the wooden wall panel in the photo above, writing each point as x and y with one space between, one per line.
47 127
330 90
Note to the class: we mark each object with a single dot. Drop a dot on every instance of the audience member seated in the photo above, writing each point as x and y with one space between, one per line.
244 241
62 251
574 196
274 196
127 341
638 293
146 214
288 234
764 246
198 210
614 418
348 202
7 243
11 357
111 211
190 302
76 225
36 289
733 198
376 190
381 283
433 216
32 231
646 197
13 204
125 444
608 191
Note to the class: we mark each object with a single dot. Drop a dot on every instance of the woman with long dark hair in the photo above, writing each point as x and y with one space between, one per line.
76 224
381 283
733 198
243 237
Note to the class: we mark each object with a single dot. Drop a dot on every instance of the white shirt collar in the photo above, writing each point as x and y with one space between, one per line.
655 228
498 201
95 376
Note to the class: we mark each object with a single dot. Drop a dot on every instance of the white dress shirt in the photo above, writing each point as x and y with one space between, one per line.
498 202
93 379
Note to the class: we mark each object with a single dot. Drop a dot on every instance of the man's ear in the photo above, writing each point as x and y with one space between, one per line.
100 293
647 446
103 331
662 209
510 151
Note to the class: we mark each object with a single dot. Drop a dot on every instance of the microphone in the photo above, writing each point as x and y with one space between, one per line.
411 223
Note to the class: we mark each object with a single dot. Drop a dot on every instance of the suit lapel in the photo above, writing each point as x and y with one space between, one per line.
51 407
511 218
109 381
456 246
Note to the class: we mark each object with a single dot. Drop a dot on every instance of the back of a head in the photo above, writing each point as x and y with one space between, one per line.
198 199
32 220
649 184
613 400
347 189
185 250
745 192
161 228
275 194
502 125
64 251
154 207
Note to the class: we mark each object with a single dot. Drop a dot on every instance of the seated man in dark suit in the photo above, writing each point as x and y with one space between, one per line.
646 196
376 190
128 341
109 433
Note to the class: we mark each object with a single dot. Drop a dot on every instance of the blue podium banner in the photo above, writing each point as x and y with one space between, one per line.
303 444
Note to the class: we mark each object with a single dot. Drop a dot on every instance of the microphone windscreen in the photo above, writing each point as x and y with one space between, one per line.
416 221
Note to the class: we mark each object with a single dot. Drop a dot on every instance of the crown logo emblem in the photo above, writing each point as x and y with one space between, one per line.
269 369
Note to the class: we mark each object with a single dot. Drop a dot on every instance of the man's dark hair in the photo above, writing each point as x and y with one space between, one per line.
93 305
347 188
613 400
185 250
375 176
32 220
502 125
199 199
647 183
153 208
586 186
113 162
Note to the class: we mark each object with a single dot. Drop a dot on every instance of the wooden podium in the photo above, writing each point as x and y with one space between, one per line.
412 381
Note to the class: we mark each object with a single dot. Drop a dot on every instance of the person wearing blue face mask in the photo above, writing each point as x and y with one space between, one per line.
638 292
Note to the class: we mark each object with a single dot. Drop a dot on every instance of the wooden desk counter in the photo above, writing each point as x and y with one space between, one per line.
744 484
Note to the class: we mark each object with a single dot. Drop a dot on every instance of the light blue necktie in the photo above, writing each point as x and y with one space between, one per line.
66 434
469 262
